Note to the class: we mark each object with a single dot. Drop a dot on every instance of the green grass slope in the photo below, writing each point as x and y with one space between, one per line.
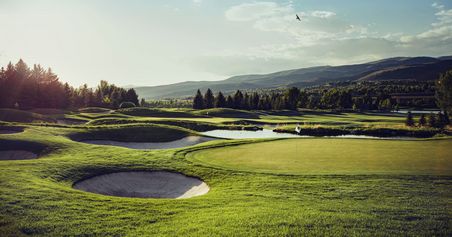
150 112
335 156
14 115
37 198
227 113
132 133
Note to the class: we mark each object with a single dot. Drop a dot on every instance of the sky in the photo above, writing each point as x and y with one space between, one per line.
157 42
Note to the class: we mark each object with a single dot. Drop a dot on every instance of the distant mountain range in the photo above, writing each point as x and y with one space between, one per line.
400 68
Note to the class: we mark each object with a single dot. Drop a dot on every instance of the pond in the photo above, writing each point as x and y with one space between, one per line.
405 111
241 134
267 133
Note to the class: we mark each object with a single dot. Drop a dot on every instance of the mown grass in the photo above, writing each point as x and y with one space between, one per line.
335 156
37 197
390 195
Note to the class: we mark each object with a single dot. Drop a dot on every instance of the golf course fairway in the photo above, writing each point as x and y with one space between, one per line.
334 156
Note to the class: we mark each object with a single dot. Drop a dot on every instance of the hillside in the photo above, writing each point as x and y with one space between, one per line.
400 68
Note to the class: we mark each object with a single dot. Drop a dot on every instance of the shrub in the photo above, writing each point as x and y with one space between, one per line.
126 104
422 120
409 119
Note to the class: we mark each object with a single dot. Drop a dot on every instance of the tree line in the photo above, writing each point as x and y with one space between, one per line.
439 120
23 87
290 99
359 96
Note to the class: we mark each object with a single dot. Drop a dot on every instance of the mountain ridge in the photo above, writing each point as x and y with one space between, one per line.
396 68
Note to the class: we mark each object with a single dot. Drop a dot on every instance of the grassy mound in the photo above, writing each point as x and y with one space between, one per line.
163 113
227 113
338 156
12 129
14 115
192 125
48 111
94 110
35 147
135 133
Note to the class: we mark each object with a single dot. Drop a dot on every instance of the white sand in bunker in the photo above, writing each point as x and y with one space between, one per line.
153 184
184 142
17 155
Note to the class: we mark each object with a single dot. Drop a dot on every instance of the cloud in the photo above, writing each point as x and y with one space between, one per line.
256 11
321 38
323 14
197 2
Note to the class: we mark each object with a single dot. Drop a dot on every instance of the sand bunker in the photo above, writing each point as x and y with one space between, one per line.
184 142
17 155
155 184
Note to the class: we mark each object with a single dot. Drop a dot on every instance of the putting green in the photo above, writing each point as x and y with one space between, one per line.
334 156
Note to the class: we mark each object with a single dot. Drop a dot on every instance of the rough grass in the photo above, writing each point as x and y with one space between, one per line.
164 113
94 110
37 198
14 115
227 113
376 130
335 156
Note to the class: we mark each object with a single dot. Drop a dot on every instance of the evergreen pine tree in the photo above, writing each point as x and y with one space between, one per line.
432 120
229 102
409 119
198 101
422 121
209 99
238 100
220 101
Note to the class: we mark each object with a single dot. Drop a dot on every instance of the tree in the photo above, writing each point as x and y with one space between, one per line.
292 96
385 104
220 101
209 99
409 119
432 120
444 91
126 104
422 121
246 102
238 100
131 96
143 102
198 101
441 121
303 99
229 102
446 118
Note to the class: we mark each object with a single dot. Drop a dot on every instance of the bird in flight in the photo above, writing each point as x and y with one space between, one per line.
298 18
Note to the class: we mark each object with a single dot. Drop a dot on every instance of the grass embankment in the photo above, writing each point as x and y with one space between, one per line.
376 131
99 110
132 133
198 126
335 156
162 113
37 197
227 113
22 116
